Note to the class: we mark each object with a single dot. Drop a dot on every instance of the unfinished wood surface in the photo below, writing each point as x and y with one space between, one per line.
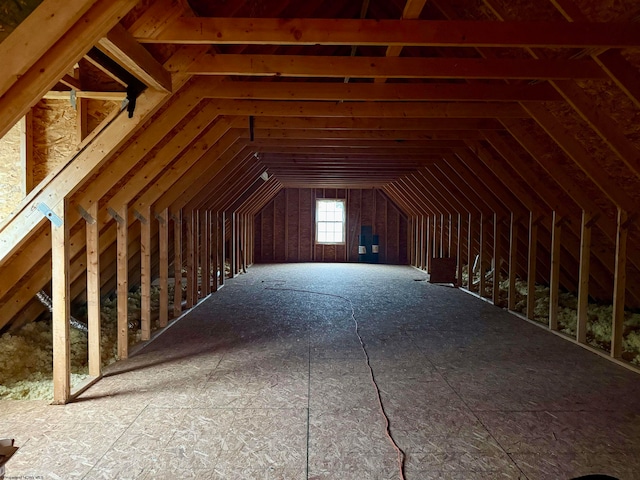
191 243
61 309
554 282
619 285
532 259
93 292
163 253
123 281
470 253
482 256
177 263
513 260
307 31
583 286
145 274
51 19
498 224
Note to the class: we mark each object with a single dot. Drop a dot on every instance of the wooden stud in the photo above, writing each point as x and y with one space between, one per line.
192 286
222 248
26 152
61 309
215 248
482 287
145 274
513 261
531 269
123 282
470 258
177 264
619 286
497 248
163 244
583 277
93 292
554 283
234 240
459 252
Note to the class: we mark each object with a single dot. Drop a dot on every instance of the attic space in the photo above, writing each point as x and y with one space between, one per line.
157 153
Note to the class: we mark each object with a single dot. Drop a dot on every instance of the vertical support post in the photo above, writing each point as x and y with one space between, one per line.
122 247
583 277
554 283
81 123
205 265
93 291
215 249
209 245
177 264
619 284
513 261
482 290
531 269
223 254
145 274
26 152
459 252
470 253
163 246
421 247
234 244
449 235
61 308
497 261
192 287
429 235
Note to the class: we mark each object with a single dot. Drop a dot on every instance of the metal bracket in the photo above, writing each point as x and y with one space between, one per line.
86 215
161 219
50 214
115 215
140 217
73 99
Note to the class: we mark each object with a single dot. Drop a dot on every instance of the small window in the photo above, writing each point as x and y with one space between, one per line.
330 221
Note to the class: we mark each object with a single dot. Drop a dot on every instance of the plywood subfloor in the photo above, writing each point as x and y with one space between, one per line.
272 384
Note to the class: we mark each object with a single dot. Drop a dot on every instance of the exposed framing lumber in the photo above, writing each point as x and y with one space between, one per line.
123 282
120 45
482 253
177 263
14 233
163 245
192 275
531 268
393 67
145 274
308 31
51 19
61 309
513 260
583 287
619 285
368 109
26 152
59 58
93 291
554 283
497 248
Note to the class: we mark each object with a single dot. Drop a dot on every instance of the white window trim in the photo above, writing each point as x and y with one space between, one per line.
344 221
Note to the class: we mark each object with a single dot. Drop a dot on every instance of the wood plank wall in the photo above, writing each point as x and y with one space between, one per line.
285 230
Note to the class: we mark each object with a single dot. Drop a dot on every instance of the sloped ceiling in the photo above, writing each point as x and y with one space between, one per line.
466 107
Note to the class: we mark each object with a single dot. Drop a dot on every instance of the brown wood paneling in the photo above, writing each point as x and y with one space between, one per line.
285 232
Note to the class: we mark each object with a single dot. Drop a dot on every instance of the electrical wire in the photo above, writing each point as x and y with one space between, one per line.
400 455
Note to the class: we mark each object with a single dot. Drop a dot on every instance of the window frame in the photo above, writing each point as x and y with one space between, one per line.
343 222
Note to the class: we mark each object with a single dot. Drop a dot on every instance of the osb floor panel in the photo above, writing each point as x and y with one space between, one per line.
258 382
